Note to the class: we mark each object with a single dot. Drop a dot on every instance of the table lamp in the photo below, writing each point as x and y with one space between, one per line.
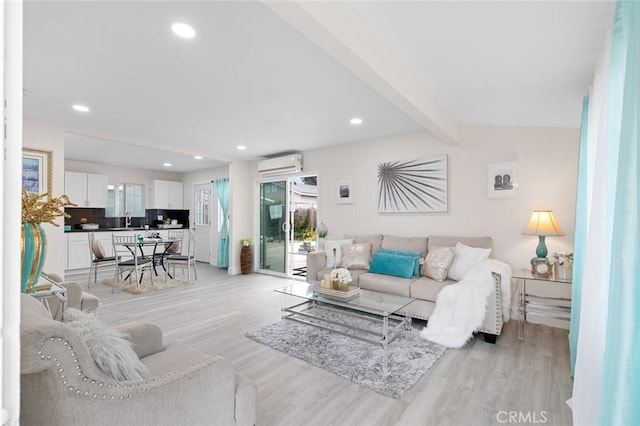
542 223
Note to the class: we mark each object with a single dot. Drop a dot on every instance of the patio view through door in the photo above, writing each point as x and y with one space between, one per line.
288 218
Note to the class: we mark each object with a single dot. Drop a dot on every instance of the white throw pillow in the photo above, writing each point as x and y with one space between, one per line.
356 256
333 251
466 258
108 347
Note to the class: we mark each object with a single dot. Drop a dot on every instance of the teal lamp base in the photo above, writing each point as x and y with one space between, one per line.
541 250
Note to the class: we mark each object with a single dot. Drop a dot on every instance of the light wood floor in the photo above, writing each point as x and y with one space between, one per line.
477 385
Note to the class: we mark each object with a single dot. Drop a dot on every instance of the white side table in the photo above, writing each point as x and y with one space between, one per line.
540 304
49 289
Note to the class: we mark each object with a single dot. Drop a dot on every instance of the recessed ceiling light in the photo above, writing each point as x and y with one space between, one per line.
198 157
183 30
241 147
81 108
167 164
356 121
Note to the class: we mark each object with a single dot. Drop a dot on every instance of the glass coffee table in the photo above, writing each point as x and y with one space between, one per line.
382 310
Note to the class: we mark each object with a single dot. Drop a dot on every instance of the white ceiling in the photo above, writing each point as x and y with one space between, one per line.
279 77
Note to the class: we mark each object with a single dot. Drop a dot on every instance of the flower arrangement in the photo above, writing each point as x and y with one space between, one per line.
562 259
36 210
246 242
341 275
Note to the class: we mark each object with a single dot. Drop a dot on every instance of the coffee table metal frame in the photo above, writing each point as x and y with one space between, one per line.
369 305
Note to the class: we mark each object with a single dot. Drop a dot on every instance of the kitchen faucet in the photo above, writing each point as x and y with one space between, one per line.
127 220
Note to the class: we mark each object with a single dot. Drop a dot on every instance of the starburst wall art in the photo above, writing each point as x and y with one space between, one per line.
413 186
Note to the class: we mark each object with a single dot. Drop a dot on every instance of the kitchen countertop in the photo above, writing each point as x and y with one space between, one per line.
118 229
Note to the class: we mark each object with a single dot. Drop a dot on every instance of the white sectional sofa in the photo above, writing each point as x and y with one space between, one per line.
424 289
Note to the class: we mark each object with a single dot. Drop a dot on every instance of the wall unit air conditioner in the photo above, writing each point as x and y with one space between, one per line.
286 164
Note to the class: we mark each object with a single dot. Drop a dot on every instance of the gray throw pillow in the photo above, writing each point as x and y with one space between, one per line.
108 347
98 250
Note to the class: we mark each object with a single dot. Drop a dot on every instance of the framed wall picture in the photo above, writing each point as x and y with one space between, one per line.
37 170
413 186
344 191
502 179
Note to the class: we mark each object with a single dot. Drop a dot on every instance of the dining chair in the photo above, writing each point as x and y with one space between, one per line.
172 246
185 258
128 260
98 259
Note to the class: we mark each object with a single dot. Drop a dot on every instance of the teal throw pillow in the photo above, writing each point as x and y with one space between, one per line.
416 255
392 264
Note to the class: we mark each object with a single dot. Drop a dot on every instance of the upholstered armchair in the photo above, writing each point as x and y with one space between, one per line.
62 385
76 298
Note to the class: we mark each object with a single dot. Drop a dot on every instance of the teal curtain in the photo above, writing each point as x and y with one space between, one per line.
580 238
621 378
222 188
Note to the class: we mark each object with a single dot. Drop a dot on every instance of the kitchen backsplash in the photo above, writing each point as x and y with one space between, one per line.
81 215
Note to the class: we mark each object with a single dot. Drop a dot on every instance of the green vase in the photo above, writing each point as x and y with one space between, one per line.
34 249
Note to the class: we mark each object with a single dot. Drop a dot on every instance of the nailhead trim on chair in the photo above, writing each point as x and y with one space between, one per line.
497 279
148 384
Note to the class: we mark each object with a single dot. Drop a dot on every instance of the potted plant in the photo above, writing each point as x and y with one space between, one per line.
562 265
35 211
340 278
246 256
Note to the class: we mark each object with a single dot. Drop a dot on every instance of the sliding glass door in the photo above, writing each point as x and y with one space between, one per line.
274 226
288 219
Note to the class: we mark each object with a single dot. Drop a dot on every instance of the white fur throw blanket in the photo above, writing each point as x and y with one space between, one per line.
461 307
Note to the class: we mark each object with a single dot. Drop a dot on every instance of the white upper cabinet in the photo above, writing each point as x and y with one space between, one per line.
166 194
86 189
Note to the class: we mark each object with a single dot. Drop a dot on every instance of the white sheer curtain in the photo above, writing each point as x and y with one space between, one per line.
587 389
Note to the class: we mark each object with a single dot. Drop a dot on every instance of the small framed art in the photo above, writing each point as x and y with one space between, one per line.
344 191
502 179
37 170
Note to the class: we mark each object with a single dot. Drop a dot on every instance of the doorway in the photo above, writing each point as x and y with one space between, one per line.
288 219
202 221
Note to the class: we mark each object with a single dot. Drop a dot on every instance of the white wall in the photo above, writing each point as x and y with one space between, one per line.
547 160
47 136
242 205
124 175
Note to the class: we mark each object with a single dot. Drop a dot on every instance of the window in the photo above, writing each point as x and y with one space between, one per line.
123 198
202 207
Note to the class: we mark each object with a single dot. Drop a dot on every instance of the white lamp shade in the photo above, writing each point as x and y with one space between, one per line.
543 222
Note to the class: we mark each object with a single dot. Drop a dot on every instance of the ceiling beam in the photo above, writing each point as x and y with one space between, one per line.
338 29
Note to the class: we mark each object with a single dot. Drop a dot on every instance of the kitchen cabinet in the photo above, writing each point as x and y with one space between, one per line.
78 256
86 189
166 194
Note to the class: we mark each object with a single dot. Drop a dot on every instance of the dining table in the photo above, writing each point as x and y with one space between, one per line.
142 242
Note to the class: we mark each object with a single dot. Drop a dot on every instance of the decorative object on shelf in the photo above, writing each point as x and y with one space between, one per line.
344 191
340 278
562 265
542 223
246 256
413 186
502 179
542 268
35 210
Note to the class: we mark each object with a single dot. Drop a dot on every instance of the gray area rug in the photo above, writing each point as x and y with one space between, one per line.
410 357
